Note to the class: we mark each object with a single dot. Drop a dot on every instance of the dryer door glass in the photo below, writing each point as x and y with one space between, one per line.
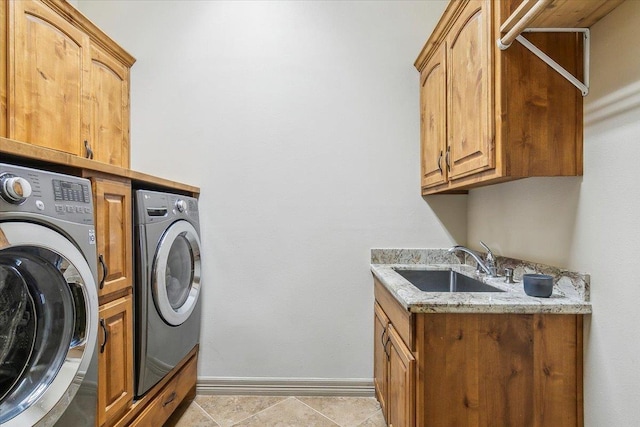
44 322
179 272
176 273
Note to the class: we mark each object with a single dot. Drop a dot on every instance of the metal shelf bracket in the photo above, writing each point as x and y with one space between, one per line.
583 86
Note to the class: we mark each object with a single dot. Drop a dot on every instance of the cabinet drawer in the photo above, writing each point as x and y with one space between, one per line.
401 319
168 400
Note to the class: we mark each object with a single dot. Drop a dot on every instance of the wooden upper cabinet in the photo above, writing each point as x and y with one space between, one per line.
508 114
66 84
433 119
470 98
109 122
47 69
112 201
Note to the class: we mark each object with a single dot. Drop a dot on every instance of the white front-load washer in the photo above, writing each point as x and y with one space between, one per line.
167 289
48 300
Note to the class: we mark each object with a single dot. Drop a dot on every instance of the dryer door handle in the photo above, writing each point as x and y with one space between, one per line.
105 271
105 335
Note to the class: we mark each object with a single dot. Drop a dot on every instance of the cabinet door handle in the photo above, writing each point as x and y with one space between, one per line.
89 153
384 343
440 163
388 353
105 335
447 159
171 398
105 270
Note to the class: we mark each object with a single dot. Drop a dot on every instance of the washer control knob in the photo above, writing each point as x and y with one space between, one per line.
181 205
14 189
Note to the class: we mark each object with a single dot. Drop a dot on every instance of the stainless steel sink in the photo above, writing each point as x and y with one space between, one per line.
444 281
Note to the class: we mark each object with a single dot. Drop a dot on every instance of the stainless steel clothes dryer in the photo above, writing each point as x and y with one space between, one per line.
48 300
167 291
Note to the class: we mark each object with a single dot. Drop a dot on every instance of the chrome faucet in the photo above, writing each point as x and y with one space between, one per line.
489 265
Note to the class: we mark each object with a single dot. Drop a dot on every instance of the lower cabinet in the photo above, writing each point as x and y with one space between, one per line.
380 360
112 200
394 372
476 369
156 406
401 390
115 360
160 409
112 205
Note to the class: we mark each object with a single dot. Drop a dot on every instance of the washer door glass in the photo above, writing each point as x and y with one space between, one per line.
44 323
176 273
17 327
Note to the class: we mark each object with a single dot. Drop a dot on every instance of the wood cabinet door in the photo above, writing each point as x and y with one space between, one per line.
48 67
470 127
401 394
433 119
502 369
115 359
109 120
4 51
112 201
380 361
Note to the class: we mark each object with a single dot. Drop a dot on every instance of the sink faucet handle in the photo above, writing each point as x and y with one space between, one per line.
491 260
489 253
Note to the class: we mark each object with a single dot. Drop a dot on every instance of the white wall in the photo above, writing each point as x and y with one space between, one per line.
299 121
590 223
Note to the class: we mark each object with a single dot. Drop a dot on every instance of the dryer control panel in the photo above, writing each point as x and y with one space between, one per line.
153 207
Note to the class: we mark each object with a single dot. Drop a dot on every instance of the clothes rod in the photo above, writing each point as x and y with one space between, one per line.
522 24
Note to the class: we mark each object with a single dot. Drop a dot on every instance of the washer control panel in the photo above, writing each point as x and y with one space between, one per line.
69 191
14 189
34 191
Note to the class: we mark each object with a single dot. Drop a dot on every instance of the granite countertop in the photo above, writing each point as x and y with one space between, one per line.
570 292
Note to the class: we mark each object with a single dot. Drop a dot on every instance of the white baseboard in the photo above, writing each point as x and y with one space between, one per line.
285 386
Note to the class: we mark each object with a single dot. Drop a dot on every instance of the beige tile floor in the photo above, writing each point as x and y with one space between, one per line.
276 411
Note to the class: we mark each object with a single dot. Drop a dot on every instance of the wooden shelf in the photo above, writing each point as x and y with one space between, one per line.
555 14
43 157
